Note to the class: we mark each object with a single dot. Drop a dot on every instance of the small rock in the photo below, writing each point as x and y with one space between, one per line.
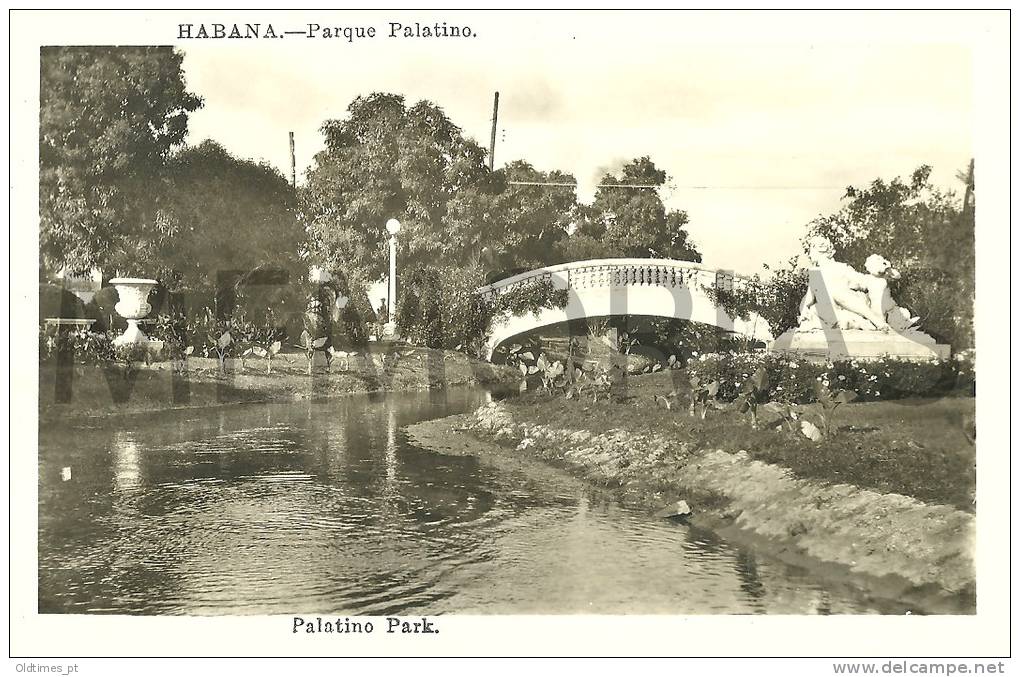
678 510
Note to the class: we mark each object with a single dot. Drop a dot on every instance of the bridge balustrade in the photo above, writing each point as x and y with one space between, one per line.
642 280
622 273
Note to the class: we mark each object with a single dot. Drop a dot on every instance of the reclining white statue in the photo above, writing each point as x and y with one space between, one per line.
839 297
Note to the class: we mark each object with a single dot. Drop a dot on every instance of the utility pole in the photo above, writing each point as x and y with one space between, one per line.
492 139
293 163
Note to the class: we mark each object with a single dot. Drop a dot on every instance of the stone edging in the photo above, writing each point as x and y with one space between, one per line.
871 533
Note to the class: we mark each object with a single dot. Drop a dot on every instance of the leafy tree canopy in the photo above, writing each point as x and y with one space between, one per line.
109 118
910 222
383 161
386 160
631 222
223 214
514 226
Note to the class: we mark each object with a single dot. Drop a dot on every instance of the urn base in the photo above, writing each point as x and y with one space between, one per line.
133 335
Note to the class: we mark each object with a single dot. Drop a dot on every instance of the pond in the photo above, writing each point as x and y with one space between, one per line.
325 507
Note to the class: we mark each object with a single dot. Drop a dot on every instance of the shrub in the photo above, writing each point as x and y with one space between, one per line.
895 379
467 315
755 391
439 308
596 383
520 354
264 339
776 300
731 370
85 346
702 394
92 347
213 338
356 320
419 308
795 380
172 329
55 301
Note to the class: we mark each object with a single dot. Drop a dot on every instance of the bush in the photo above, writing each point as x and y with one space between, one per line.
419 308
776 300
467 315
439 308
795 380
172 329
84 346
55 301
358 316
261 294
214 337
355 319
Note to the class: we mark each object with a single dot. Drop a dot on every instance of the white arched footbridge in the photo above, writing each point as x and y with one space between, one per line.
608 287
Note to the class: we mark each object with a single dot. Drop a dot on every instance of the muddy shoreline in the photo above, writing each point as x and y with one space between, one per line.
885 545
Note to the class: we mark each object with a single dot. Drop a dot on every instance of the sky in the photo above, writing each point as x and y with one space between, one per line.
759 135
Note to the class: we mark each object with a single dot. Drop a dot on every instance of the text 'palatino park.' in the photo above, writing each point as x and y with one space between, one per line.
419 382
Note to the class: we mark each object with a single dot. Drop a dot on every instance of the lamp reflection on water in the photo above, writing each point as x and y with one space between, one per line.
127 475
391 448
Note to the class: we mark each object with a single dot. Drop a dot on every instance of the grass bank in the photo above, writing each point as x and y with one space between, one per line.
89 390
920 447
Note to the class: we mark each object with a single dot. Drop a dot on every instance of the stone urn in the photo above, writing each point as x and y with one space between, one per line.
132 306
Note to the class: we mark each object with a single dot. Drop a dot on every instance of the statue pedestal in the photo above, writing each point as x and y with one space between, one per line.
859 344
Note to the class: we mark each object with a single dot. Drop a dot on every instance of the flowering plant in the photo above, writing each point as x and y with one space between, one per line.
795 380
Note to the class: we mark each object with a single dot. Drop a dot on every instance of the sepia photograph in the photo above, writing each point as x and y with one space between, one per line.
370 321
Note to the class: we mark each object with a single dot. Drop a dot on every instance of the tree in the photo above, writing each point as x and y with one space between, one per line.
109 118
633 222
928 235
385 161
224 214
516 225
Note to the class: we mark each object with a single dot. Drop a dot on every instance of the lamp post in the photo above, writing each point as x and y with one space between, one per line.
392 227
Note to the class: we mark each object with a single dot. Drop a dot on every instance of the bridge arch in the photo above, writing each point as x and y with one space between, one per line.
613 287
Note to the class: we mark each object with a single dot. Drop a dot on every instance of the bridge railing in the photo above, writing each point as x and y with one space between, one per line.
601 273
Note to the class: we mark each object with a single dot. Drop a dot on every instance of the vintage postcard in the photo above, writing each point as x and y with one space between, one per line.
410 332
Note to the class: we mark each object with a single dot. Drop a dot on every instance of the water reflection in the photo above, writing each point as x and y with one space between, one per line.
750 583
391 447
126 472
325 507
